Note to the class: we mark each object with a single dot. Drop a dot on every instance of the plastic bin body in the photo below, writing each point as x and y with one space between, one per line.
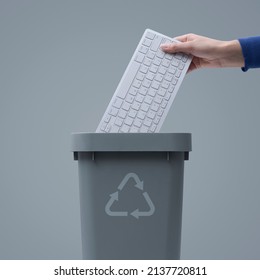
131 194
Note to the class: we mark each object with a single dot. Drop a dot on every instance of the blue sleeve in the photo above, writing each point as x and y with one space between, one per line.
251 52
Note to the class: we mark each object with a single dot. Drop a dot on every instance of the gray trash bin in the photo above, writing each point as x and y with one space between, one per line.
131 189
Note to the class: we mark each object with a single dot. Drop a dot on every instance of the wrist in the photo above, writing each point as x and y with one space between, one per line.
232 54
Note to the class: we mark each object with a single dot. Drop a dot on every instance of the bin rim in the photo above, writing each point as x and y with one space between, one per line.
130 142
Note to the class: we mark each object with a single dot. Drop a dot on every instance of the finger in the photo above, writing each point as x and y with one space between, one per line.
177 47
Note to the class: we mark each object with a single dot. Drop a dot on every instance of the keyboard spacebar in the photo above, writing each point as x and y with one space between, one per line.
127 80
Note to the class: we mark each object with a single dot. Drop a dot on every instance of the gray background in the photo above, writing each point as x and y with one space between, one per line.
60 62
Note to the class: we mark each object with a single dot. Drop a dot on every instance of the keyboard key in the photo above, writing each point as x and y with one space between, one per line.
155 85
172 69
132 113
137 123
133 91
148 99
157 61
139 57
165 84
137 83
107 129
164 104
150 35
181 65
143 49
136 106
126 106
139 98
114 129
171 88
147 62
160 112
147 122
143 69
178 73
143 90
119 121
134 129
153 128
130 99
157 120
159 77
103 126
153 68
146 83
168 77
174 81
167 96
122 114
144 107
152 92
143 129
117 103
107 118
158 99
150 55
112 120
141 115
156 43
175 62
166 63
178 55
151 114
129 121
150 76
154 107
184 58
168 56
162 92
113 111
162 70
147 42
125 128
140 76
160 54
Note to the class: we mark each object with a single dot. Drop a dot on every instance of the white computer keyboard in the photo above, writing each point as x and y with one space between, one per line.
147 89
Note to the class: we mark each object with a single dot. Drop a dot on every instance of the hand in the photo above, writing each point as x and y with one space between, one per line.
207 52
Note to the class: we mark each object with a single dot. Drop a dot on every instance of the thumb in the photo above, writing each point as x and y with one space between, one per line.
177 47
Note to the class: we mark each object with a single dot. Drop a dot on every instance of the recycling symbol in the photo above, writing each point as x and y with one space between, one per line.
115 197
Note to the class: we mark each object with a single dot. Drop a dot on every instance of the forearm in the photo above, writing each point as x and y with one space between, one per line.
232 55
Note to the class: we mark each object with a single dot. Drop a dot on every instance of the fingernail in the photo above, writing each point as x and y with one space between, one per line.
164 46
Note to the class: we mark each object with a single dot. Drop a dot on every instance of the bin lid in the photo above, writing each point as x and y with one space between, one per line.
124 142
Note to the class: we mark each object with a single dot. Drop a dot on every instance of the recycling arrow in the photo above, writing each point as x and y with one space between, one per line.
113 198
136 213
139 184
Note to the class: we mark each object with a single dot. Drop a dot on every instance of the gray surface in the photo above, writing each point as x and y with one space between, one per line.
50 86
130 176
95 142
